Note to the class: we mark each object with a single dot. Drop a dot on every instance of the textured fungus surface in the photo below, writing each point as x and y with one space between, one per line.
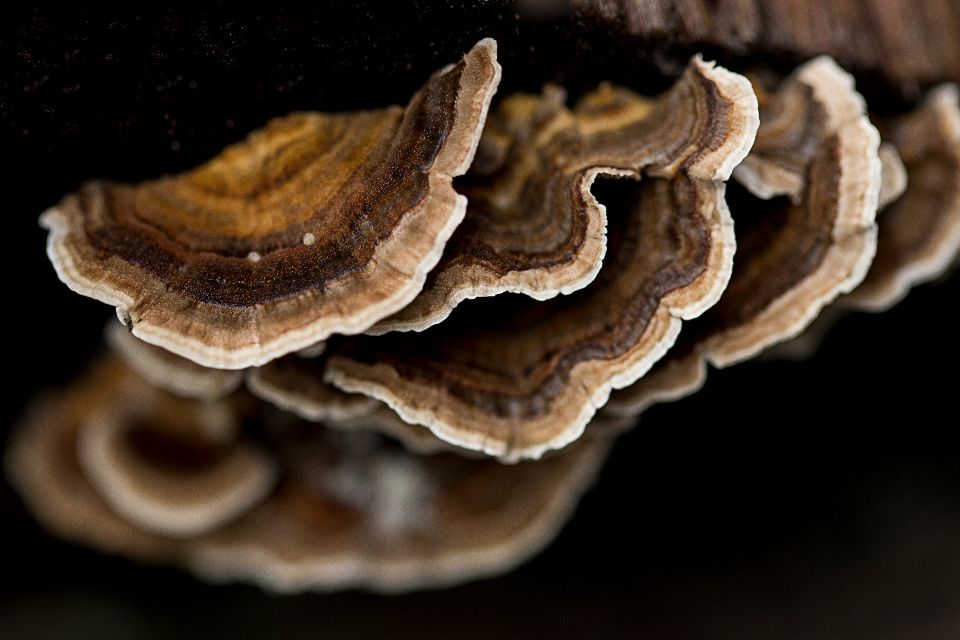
793 257
798 257
532 225
317 224
514 378
374 516
920 232
351 509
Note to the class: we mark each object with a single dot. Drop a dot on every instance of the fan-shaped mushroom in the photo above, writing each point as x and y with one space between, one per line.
167 465
919 233
515 378
795 257
318 224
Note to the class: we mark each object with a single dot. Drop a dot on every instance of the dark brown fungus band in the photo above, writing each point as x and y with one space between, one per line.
317 224
167 370
514 378
795 257
532 224
161 464
350 510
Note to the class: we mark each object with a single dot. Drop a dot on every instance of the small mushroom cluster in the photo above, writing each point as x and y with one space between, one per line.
305 389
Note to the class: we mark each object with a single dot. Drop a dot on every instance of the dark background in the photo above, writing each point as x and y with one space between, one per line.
786 500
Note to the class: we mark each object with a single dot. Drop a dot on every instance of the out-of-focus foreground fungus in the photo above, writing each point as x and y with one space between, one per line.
432 370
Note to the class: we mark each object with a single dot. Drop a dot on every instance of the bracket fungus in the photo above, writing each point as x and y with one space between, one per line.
317 224
514 378
919 228
798 258
326 263
351 509
920 232
532 224
795 257
115 462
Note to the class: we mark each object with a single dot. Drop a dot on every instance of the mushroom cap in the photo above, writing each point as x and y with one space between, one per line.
810 104
317 224
515 378
532 224
167 370
179 479
793 258
388 521
798 257
919 233
163 464
893 177
351 510
41 463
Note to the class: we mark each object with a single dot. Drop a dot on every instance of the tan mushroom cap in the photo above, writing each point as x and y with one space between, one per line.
795 257
532 224
167 370
384 520
810 105
514 378
353 510
163 464
317 224
893 177
41 464
919 233
517 378
799 257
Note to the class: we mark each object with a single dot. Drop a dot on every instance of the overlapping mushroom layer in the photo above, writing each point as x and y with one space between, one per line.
372 466
515 378
236 492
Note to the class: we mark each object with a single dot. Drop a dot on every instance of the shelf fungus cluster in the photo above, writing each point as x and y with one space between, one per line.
390 349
